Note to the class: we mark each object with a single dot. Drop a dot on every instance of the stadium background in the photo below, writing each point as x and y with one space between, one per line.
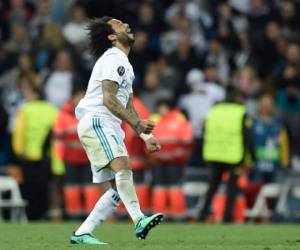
183 49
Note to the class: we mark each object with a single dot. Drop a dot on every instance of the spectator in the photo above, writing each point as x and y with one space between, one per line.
267 53
242 6
293 54
292 57
169 77
218 57
140 55
270 142
245 54
226 136
75 31
59 10
149 20
288 100
33 124
19 41
182 25
288 103
18 12
211 74
189 8
288 19
40 18
246 80
152 91
203 96
258 16
174 133
61 78
184 58
199 19
225 24
11 97
50 43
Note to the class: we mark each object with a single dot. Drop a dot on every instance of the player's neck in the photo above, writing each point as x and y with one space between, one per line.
122 48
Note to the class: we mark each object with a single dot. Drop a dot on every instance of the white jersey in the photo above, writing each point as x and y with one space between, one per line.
205 95
112 65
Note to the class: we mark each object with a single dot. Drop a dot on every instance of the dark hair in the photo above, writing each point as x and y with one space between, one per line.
99 29
34 87
262 94
77 88
233 94
169 102
295 82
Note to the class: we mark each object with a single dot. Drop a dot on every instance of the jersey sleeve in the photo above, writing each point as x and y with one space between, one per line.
112 69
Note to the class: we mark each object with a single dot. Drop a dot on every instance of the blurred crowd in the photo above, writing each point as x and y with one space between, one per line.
188 55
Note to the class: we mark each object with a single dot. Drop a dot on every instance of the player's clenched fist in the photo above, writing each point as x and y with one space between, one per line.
152 145
144 126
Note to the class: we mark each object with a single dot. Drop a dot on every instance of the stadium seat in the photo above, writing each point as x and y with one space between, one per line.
195 194
14 203
288 205
260 208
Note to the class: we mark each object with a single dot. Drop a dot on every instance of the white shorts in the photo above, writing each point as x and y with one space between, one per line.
103 141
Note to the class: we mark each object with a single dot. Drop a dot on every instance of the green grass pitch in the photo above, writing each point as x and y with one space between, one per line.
167 236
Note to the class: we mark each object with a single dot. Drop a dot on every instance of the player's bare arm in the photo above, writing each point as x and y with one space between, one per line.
152 143
110 100
145 126
130 107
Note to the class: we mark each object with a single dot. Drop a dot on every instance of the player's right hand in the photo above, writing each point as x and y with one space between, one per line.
145 126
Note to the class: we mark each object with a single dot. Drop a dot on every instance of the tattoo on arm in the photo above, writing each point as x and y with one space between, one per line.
131 108
110 89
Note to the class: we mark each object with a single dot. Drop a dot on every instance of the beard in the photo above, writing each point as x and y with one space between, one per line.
125 39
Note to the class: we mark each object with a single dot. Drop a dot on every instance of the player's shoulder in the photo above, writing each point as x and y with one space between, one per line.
115 59
108 55
112 54
111 59
106 60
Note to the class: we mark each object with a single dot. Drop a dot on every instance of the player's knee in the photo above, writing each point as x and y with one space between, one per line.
113 184
120 163
105 186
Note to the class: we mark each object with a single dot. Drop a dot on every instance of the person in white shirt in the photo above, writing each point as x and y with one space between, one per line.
61 78
108 102
75 30
203 95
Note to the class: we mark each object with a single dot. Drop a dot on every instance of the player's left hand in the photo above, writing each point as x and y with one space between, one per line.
152 145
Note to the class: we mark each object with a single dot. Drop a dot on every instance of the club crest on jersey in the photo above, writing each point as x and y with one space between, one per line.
121 70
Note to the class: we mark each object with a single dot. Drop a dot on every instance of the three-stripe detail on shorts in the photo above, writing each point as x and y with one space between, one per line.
116 140
102 138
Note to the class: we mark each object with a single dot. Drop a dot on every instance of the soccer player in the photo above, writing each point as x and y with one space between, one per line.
108 102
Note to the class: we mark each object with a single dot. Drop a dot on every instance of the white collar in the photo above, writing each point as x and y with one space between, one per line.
120 52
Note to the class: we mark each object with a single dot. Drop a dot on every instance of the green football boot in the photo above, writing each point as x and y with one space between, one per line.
88 239
145 224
